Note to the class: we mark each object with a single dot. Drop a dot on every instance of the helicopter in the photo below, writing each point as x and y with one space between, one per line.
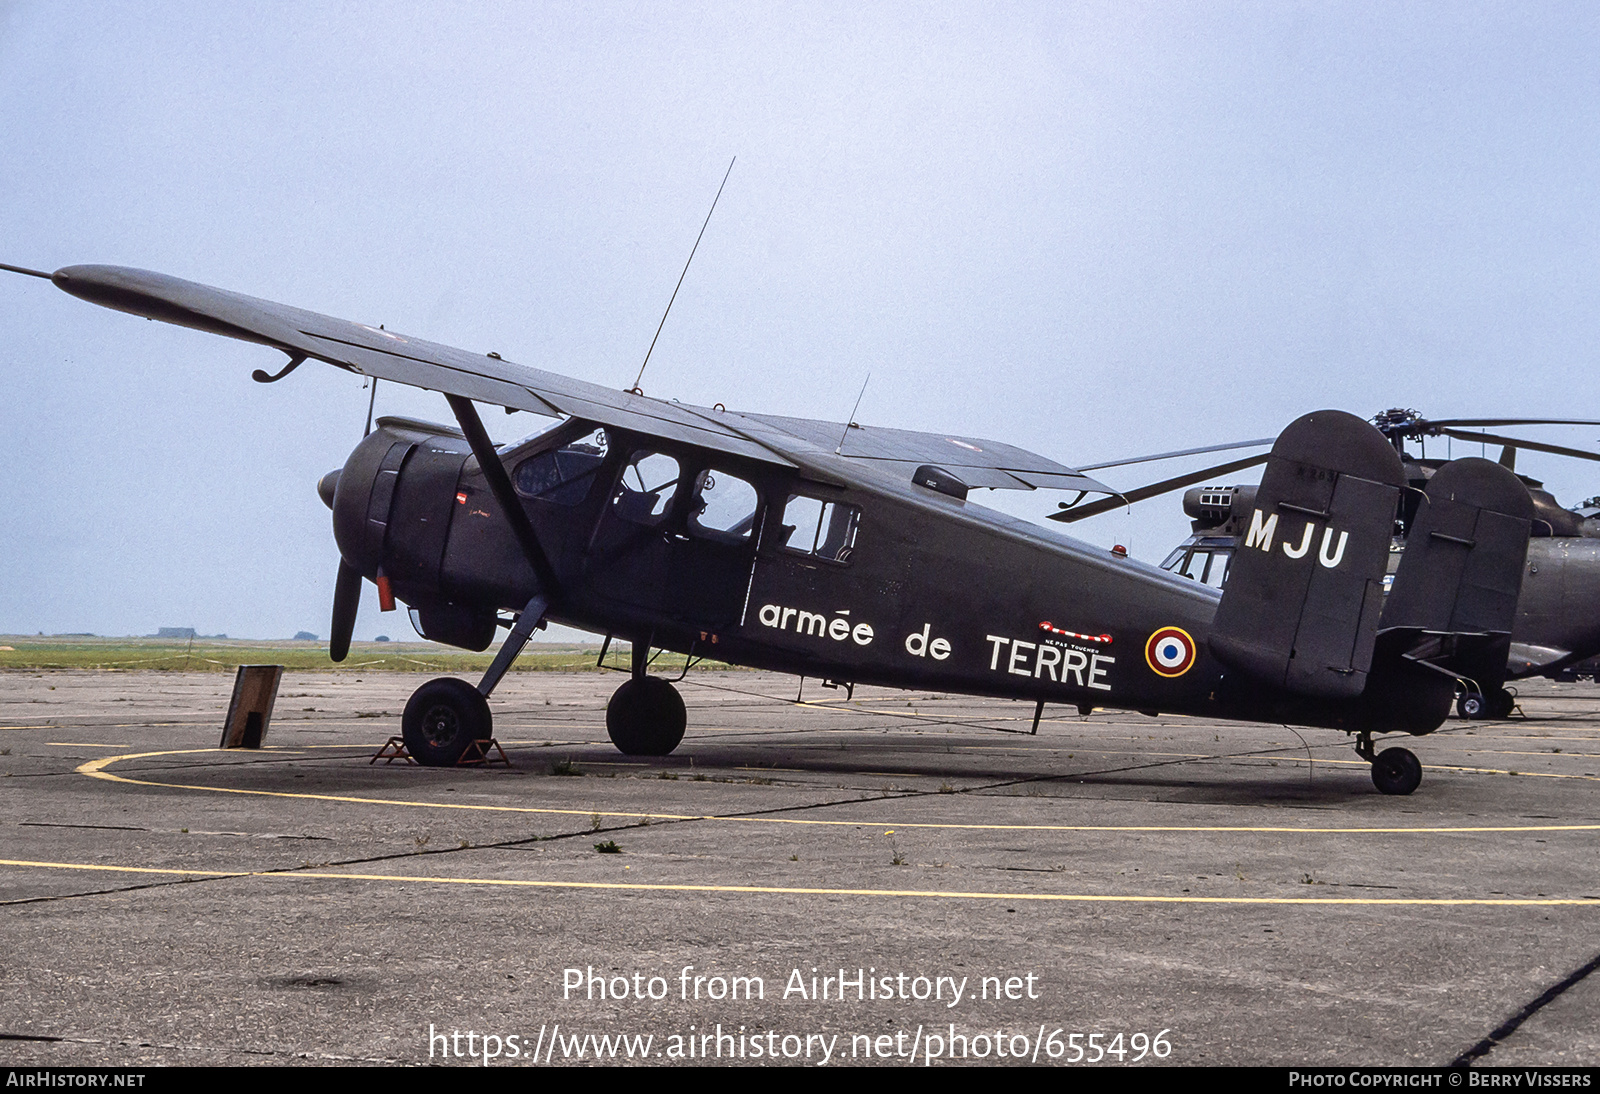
853 554
1556 626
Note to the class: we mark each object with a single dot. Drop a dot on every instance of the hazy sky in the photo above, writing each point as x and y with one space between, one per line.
1092 230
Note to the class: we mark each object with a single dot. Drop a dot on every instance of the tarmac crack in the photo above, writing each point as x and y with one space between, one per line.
1512 1024
211 1050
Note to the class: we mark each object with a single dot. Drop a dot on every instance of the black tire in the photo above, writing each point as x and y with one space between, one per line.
1472 705
646 717
1501 703
1396 771
442 719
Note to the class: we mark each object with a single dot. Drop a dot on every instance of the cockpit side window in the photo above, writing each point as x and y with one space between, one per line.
822 529
723 506
1200 562
645 491
561 475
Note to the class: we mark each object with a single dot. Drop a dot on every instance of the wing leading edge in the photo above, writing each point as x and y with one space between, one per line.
386 355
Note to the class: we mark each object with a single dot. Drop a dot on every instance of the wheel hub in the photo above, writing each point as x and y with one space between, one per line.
440 725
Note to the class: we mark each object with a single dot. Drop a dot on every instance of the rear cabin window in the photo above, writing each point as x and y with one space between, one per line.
645 492
561 475
821 529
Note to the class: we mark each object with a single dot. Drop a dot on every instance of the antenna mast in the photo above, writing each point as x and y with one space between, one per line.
636 389
852 419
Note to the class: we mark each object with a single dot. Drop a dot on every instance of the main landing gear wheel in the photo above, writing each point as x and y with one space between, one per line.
646 717
1471 705
442 719
1396 771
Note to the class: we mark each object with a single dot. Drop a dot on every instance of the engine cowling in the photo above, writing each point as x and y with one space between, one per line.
392 504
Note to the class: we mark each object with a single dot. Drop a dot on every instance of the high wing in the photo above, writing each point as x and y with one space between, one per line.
373 351
386 355
975 461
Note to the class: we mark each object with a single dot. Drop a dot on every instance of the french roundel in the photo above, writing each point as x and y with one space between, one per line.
1170 652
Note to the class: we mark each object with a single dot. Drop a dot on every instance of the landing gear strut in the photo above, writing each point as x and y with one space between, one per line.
1394 770
645 716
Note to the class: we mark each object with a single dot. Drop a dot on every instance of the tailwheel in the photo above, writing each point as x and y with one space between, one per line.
1396 771
442 719
646 717
1497 703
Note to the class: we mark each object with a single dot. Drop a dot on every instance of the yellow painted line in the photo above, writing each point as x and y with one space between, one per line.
67 723
1073 751
97 866
1547 753
95 769
795 890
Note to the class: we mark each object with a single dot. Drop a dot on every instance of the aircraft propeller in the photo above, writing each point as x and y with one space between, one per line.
346 587
346 599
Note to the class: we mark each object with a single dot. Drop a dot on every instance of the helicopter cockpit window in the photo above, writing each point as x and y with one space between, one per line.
1201 564
723 506
562 475
648 484
823 529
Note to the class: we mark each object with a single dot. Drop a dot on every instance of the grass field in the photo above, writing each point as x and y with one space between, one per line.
43 653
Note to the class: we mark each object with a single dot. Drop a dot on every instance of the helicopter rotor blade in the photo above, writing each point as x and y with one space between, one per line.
1155 489
1536 446
346 599
1263 441
1478 422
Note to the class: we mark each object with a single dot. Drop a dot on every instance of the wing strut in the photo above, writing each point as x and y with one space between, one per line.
504 493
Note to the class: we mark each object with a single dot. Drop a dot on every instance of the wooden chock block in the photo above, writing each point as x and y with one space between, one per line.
255 689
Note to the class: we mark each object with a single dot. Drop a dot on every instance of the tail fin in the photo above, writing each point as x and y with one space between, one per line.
1305 590
1455 595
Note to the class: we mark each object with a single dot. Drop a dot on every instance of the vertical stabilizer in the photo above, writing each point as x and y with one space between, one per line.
1305 590
1455 595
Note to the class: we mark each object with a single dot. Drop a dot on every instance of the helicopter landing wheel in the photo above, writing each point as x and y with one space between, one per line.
1396 771
1472 705
1501 703
646 717
442 719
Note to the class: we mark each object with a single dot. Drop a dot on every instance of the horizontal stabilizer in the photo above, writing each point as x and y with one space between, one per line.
1305 590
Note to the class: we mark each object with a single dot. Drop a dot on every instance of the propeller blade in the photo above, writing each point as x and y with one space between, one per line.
1537 446
1117 501
1182 452
346 599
